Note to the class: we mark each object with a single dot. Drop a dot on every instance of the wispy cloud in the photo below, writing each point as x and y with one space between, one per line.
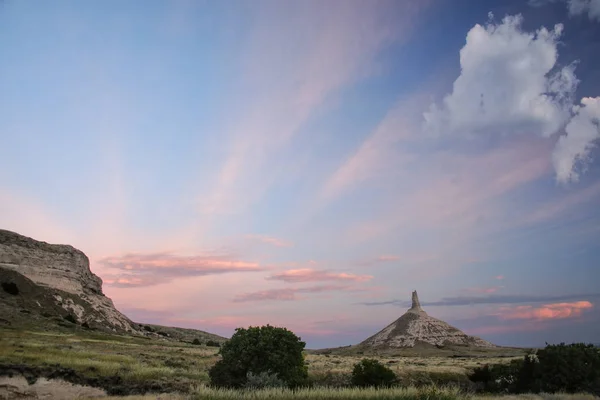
484 290
339 49
493 299
499 277
270 240
387 258
589 7
287 294
458 189
557 208
155 268
547 311
315 275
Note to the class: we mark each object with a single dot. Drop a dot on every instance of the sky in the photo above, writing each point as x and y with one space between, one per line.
309 164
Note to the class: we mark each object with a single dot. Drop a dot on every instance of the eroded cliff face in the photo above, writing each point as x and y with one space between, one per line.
62 273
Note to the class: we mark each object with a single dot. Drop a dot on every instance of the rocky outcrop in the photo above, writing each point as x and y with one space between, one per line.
416 327
55 280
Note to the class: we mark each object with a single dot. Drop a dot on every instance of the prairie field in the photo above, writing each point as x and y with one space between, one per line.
135 366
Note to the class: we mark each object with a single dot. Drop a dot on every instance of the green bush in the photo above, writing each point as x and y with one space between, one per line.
213 343
569 368
370 372
257 350
573 368
197 342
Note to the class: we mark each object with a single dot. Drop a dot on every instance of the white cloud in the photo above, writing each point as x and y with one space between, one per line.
576 7
508 83
591 7
573 149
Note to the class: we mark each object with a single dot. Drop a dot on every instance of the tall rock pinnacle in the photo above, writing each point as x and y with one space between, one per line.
416 306
417 327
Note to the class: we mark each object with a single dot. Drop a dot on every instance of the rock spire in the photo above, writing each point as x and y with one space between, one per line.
415 327
416 306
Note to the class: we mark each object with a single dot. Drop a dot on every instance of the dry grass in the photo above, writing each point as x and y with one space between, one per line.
139 359
204 393
181 367
91 355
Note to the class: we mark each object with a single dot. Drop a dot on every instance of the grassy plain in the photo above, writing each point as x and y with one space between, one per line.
124 365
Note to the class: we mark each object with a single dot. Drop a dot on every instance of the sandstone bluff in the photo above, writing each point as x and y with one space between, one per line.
415 327
49 281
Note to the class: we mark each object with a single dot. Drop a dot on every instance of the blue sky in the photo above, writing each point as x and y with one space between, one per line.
310 164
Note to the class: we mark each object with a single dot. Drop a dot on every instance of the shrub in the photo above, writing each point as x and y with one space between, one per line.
263 380
569 368
213 343
257 350
196 341
370 372
573 368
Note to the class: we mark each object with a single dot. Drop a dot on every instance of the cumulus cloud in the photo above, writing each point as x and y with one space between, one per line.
150 269
510 83
589 7
582 134
314 275
547 311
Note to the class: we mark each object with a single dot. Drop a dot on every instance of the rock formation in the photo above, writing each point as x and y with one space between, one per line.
53 281
415 327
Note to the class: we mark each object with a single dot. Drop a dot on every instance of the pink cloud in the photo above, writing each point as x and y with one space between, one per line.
314 275
499 277
286 294
125 281
154 268
271 240
547 311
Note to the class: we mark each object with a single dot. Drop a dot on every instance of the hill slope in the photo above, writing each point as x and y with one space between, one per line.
50 285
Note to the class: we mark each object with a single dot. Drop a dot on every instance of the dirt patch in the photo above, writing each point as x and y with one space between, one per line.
113 385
